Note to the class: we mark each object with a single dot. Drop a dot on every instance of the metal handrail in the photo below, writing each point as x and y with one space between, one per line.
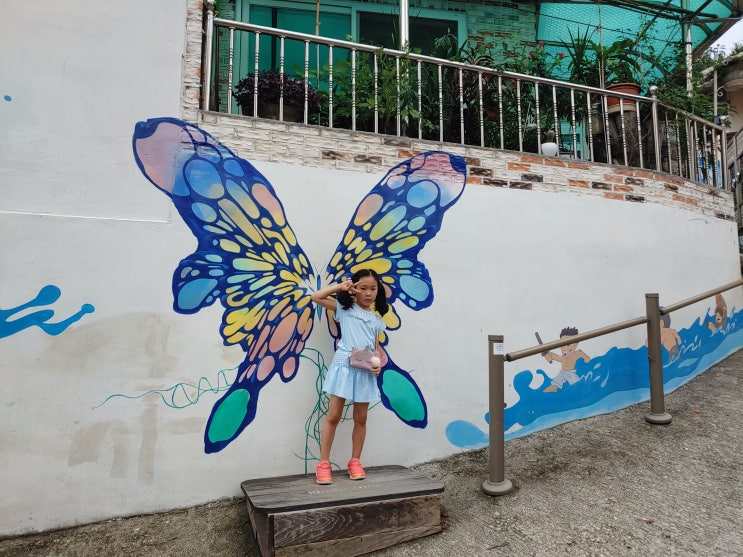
497 483
678 142
513 356
665 310
668 309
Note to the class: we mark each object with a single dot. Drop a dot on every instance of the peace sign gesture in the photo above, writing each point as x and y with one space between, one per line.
347 285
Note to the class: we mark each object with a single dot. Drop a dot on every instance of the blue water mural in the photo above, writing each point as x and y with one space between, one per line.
606 383
46 296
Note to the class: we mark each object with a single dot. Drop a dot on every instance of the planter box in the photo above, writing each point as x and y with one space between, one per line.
271 111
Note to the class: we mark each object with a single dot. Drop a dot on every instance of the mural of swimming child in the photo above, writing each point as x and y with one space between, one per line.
669 338
568 357
721 315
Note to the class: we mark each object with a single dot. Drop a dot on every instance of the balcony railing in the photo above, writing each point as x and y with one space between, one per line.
364 88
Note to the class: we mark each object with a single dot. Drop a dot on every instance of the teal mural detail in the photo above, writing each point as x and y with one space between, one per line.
182 395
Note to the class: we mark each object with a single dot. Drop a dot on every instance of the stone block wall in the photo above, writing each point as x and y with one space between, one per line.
315 146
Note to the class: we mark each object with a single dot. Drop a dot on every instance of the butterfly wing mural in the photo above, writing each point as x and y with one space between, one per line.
390 226
248 258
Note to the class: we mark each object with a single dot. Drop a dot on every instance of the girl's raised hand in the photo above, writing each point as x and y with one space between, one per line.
347 285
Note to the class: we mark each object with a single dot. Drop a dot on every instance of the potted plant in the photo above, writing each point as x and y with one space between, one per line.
616 66
583 69
618 69
582 63
368 93
272 86
604 67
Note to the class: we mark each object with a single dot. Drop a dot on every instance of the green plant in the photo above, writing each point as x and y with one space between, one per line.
672 86
626 60
376 95
531 59
617 62
582 64
271 86
534 60
396 92
452 106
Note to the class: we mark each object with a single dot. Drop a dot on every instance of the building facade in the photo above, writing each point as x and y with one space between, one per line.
157 339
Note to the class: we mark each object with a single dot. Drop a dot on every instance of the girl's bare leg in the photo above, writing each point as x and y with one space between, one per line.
327 434
360 410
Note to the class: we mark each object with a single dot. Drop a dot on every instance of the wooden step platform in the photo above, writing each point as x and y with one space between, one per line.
292 515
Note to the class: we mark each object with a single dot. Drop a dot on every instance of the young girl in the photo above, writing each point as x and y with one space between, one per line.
360 328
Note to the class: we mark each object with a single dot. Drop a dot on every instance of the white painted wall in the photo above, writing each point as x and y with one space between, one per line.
77 213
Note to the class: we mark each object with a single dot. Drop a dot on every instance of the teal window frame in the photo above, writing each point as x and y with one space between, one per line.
248 11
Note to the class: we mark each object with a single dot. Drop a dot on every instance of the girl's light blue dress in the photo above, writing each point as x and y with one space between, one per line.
359 329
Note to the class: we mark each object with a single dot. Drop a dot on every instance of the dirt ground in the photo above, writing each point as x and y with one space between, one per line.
610 485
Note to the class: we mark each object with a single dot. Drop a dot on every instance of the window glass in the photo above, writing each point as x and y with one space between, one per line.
382 30
332 25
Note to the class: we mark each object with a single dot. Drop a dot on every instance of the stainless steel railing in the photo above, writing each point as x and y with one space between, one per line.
497 483
364 88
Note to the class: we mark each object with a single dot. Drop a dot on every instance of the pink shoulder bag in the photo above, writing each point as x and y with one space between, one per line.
363 358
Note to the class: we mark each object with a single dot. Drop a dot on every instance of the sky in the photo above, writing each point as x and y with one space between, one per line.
733 35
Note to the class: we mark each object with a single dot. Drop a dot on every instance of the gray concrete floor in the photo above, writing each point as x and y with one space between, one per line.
611 485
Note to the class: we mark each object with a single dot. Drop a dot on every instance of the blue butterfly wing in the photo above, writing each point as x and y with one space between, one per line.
247 257
389 228
394 222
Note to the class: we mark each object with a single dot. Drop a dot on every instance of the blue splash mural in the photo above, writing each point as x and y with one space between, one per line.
608 382
48 295
248 258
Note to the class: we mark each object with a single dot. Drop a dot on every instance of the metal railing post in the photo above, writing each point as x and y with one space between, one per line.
657 414
207 69
496 484
656 127
725 175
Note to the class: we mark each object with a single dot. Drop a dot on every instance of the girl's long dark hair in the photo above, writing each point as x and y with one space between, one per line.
380 302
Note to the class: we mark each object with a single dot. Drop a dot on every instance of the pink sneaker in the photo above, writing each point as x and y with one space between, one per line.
323 475
355 470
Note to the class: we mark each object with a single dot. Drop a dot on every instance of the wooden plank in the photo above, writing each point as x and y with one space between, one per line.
291 493
330 523
288 483
307 494
381 474
356 545
263 529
